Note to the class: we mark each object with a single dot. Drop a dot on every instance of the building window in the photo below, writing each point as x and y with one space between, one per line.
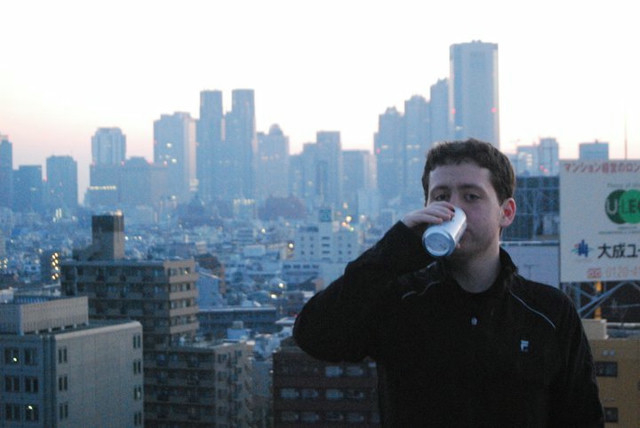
355 417
355 371
137 419
31 384
611 414
31 413
333 371
289 416
334 394
11 356
63 410
30 357
289 393
63 383
12 384
606 368
62 355
137 393
310 417
137 367
137 341
12 412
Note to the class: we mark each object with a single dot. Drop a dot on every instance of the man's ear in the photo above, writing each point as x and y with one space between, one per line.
508 212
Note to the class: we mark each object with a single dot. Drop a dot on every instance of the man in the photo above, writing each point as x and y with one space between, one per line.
462 341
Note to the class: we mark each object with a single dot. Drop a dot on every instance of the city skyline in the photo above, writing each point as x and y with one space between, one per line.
314 67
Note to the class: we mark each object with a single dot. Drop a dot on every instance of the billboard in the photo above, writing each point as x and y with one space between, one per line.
599 221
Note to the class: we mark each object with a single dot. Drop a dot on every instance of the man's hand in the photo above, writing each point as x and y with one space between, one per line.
434 213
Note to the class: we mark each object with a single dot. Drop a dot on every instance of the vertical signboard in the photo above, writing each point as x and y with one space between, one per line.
599 221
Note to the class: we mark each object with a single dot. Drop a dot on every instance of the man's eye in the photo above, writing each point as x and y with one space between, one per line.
441 197
472 196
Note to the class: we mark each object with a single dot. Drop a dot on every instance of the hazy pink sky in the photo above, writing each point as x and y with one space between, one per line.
567 70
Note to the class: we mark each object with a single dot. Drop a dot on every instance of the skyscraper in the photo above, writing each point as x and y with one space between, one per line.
329 169
473 92
439 111
6 172
537 159
108 147
174 145
388 142
142 183
210 136
240 146
108 152
273 164
62 183
27 184
358 177
548 156
416 142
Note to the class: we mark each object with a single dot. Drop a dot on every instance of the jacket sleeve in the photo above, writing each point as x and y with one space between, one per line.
339 323
575 401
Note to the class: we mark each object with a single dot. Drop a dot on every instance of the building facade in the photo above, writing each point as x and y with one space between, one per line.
473 92
209 153
58 370
537 159
108 147
594 151
439 112
240 147
308 392
62 183
143 183
358 180
417 137
28 189
272 164
538 202
174 146
388 146
181 381
616 355
108 153
6 172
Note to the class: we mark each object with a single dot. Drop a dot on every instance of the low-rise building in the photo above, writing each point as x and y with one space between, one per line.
616 355
58 370
308 392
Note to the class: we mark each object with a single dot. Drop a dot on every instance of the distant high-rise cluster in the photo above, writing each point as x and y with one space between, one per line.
463 106
222 162
541 159
227 146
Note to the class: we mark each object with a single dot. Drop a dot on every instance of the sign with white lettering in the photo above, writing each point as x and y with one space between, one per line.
599 221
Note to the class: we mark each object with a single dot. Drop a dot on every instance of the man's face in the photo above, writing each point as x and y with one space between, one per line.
469 187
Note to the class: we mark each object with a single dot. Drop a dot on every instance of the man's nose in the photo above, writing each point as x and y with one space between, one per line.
455 199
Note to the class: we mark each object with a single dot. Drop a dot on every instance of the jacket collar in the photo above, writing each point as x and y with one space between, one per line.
439 270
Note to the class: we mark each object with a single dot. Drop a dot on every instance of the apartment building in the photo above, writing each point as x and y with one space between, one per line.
59 370
179 371
308 392
616 354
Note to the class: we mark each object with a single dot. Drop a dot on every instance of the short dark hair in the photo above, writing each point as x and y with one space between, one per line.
481 153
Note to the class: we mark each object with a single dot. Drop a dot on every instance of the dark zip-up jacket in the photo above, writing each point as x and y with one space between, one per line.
512 356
